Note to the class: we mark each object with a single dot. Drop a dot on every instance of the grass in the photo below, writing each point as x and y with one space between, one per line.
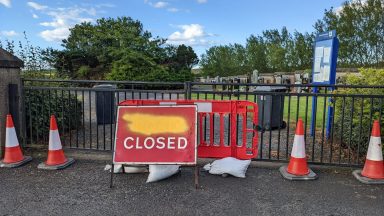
299 108
302 108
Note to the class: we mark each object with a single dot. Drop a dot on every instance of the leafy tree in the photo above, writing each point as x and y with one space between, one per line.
256 53
185 57
97 46
179 61
225 60
360 27
270 52
303 50
133 65
35 59
10 46
120 49
276 48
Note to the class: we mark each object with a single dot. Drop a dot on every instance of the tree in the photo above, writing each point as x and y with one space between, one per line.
179 61
227 60
256 55
276 50
134 65
120 49
360 27
94 50
302 50
272 51
185 57
34 57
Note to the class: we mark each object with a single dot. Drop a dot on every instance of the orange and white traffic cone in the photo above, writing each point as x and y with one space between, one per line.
13 156
56 158
373 171
297 168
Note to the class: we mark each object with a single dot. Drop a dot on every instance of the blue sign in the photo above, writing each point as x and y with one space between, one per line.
324 71
325 58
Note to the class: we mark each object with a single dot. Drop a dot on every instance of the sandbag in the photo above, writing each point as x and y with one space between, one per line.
135 169
229 165
160 172
116 168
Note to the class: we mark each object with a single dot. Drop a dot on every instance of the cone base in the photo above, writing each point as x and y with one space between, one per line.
44 166
365 180
25 160
310 176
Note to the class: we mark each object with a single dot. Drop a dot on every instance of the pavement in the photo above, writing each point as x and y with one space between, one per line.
83 189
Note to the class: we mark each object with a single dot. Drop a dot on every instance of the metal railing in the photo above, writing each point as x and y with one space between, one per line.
86 114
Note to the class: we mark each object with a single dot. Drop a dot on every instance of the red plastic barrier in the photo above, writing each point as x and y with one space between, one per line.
208 109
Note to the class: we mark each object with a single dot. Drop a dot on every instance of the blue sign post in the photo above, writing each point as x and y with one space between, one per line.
324 72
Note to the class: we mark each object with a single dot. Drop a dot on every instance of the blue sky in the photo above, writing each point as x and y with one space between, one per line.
198 23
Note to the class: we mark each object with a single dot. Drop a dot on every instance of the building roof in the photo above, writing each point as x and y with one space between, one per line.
7 60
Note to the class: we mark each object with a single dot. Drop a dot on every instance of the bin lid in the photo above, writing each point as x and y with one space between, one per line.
270 88
105 86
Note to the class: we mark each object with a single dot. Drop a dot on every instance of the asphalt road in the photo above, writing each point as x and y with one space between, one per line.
83 189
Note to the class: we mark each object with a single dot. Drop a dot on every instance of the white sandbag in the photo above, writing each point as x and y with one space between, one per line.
229 165
135 169
160 172
116 168
207 167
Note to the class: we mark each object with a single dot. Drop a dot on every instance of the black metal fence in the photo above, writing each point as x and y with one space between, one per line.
85 111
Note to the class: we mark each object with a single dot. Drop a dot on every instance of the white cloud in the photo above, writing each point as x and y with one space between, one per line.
36 6
91 11
10 33
339 10
160 4
6 3
62 19
202 1
173 9
189 32
192 34
57 23
57 34
108 5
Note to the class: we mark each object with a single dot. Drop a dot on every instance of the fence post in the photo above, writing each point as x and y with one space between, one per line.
188 90
10 80
23 116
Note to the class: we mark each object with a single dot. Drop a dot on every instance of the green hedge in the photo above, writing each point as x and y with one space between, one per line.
41 104
358 138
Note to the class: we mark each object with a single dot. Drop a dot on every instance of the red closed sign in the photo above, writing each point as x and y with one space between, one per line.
155 135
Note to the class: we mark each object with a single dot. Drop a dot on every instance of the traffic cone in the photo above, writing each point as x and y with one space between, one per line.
56 158
297 168
13 156
373 171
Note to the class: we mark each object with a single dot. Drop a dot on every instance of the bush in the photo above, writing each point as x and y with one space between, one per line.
83 71
359 137
40 105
